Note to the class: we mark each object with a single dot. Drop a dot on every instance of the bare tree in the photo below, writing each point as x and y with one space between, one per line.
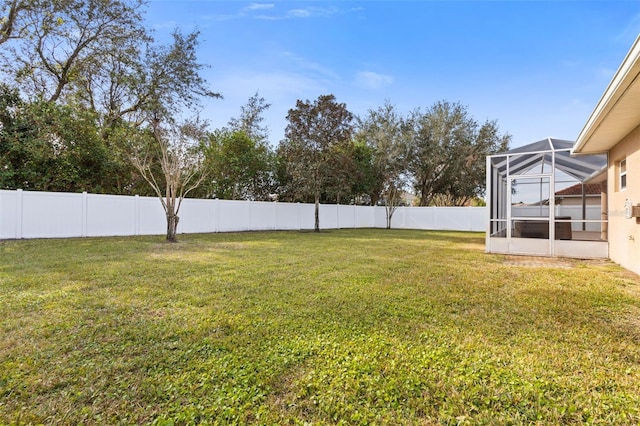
174 148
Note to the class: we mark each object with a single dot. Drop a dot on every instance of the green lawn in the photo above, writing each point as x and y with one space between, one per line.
350 326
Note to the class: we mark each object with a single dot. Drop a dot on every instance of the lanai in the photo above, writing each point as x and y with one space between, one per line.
524 217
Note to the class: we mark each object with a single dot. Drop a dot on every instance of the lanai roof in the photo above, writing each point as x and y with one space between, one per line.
581 168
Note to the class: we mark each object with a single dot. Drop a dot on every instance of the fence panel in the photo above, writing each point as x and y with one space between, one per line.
9 221
31 214
380 218
51 215
110 215
592 213
196 216
287 216
346 216
419 218
262 216
456 217
233 216
151 218
328 216
364 217
479 219
306 216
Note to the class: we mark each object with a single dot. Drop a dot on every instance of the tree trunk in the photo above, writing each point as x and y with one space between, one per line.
317 214
389 215
172 227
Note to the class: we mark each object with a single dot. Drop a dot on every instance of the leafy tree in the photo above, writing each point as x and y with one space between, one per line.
448 153
101 94
251 119
341 174
174 85
49 147
388 136
238 167
282 179
96 54
11 12
172 81
175 145
61 44
238 158
363 178
312 137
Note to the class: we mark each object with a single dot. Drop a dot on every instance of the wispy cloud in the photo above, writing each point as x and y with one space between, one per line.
309 12
299 13
259 6
254 7
252 11
606 72
280 88
630 31
373 80
272 12
166 25
275 86
306 65
576 104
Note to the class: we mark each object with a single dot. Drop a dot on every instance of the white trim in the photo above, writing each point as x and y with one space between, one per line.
622 174
621 81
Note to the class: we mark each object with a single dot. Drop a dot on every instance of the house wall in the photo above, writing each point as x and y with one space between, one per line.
624 234
591 200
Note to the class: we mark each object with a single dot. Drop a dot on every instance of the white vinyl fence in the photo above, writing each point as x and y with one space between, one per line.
30 214
593 212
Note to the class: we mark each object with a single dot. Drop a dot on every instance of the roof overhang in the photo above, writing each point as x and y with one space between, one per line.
618 111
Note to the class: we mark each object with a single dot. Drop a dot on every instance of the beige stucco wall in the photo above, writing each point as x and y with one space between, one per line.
577 201
624 234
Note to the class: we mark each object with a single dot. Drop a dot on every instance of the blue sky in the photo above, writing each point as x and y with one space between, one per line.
537 67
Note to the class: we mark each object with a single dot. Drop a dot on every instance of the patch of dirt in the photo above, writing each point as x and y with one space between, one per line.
472 246
196 246
538 262
285 397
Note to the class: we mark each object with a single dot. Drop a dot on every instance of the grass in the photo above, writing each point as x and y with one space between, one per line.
341 327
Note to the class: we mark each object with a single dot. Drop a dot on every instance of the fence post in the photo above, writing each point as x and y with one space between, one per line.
19 214
354 216
435 216
217 210
136 215
470 219
275 215
83 215
248 215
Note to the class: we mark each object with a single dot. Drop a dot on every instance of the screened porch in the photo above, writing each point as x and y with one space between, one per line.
542 201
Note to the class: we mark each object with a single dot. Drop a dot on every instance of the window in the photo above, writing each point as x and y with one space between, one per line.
623 174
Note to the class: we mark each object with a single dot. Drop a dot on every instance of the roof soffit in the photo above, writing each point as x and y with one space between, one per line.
618 111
